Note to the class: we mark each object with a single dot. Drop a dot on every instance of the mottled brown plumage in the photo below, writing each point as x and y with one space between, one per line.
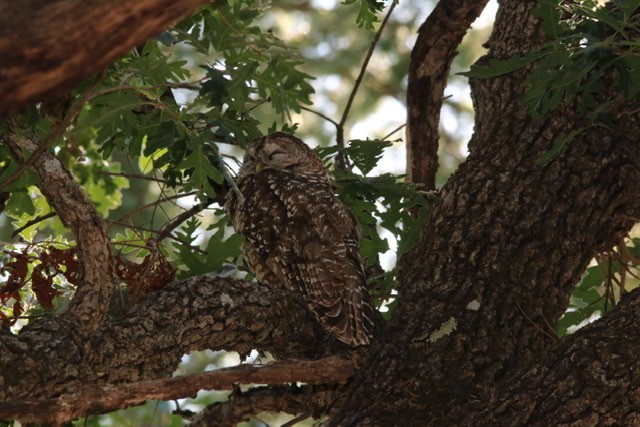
299 236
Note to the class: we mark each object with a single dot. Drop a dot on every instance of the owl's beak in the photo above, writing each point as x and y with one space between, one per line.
259 166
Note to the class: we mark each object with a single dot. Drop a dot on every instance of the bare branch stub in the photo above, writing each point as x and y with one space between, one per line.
438 38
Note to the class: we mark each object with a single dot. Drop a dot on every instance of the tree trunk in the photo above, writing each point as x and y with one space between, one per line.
498 259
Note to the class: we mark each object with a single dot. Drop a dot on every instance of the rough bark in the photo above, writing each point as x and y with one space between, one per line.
46 47
590 378
48 357
97 279
438 38
499 256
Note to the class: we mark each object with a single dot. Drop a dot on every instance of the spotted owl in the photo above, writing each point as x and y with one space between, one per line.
299 237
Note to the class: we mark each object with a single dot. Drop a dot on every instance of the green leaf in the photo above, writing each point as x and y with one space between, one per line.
366 154
26 179
549 12
200 169
628 7
19 204
559 142
219 251
367 12
498 67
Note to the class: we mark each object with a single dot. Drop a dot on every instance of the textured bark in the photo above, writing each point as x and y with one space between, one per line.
590 378
499 256
46 47
48 358
435 48
94 399
97 280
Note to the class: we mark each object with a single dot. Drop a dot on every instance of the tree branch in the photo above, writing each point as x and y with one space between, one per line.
341 160
591 370
95 399
242 406
75 210
47 358
438 38
64 33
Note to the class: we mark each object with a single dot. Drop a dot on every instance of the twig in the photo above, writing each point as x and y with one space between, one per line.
363 69
319 114
132 176
191 85
341 160
167 228
155 203
152 231
390 134
33 222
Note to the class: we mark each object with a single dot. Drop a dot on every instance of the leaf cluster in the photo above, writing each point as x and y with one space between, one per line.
604 284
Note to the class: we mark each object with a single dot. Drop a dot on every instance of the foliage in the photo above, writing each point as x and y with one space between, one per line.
146 137
590 53
603 285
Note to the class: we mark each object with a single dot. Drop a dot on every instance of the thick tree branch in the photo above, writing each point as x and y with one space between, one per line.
589 378
148 341
96 399
438 38
75 210
66 41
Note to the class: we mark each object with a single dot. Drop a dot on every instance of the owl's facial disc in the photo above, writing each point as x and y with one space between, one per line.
276 156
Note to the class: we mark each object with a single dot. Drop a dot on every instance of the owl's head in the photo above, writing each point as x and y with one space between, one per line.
280 151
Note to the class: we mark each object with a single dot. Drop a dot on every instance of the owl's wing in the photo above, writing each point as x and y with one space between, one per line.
322 263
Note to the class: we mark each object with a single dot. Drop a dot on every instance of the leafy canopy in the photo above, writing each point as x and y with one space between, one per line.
155 134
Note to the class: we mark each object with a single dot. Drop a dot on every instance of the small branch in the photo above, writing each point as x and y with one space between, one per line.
322 116
390 134
72 205
341 160
133 176
434 50
190 85
166 229
101 399
155 203
242 406
33 222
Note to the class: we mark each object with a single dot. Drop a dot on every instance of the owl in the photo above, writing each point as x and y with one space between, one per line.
299 237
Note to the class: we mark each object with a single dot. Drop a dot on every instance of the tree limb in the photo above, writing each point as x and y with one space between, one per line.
594 369
96 399
438 38
69 40
75 210
48 359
